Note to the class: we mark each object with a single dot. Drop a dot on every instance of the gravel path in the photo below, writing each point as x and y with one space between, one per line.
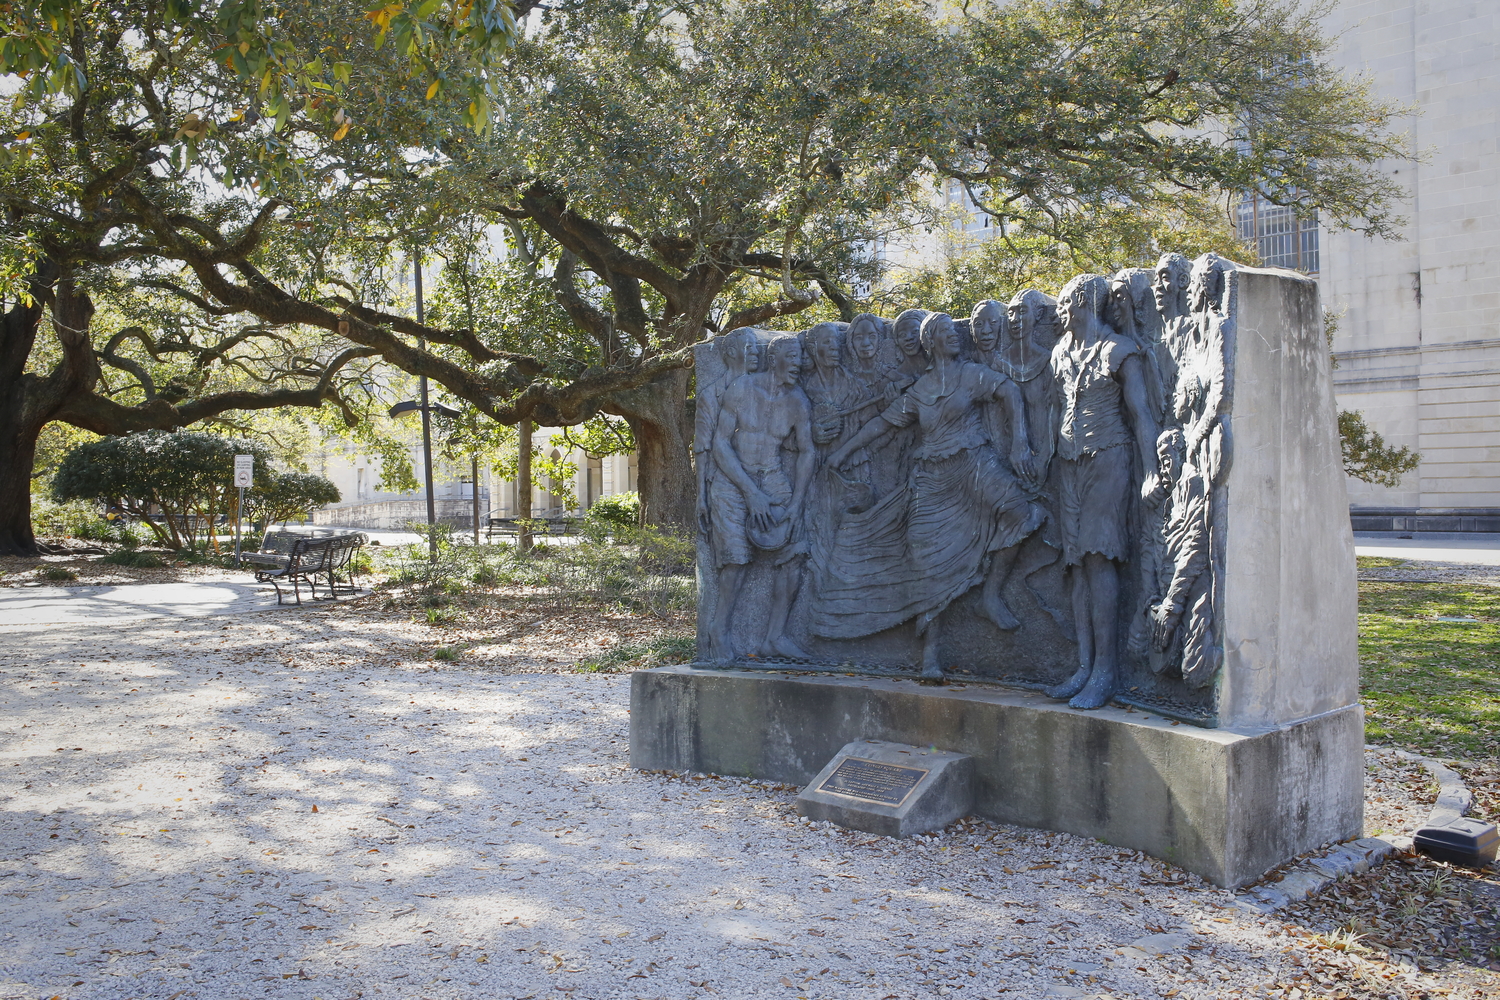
296 805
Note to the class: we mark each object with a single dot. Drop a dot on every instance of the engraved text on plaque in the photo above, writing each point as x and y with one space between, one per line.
873 781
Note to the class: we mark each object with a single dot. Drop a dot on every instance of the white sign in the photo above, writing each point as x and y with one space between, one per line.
244 469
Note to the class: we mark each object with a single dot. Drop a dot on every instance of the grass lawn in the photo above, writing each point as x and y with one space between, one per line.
1428 685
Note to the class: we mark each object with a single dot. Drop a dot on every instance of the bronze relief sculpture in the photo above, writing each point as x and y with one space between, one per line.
1028 495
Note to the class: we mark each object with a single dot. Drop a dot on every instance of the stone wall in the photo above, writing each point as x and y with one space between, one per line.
395 515
1418 345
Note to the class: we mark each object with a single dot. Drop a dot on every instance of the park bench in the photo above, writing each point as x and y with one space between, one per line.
505 527
307 560
509 527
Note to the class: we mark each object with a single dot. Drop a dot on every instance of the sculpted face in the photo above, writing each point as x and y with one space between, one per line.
826 349
864 341
786 360
943 336
985 325
1168 453
1164 289
749 353
741 352
1070 310
908 336
1016 314
1119 311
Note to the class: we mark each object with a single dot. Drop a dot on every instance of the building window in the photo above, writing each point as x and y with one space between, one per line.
1282 237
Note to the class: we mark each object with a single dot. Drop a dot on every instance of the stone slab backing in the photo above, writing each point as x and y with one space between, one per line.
1290 593
945 793
1228 805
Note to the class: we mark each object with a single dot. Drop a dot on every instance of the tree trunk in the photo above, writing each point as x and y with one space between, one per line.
28 401
661 418
17 453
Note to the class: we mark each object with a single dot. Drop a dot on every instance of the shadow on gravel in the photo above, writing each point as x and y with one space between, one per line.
289 805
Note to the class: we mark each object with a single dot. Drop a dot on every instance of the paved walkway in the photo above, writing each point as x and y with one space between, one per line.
129 602
1454 547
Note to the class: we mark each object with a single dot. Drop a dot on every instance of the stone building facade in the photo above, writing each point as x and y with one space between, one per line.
1418 342
366 505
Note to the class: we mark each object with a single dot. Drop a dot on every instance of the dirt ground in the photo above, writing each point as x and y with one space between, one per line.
478 833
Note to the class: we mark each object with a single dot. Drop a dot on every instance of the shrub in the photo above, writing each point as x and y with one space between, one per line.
612 515
652 571
183 473
71 519
138 560
445 653
59 573
415 563
285 495
362 563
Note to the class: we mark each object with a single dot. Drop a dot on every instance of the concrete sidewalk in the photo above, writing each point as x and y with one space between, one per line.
131 602
1450 547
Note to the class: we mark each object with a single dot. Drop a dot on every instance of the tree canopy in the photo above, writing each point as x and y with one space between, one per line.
660 172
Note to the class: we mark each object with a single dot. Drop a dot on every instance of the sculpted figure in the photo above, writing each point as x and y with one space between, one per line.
1026 356
1169 288
835 395
1199 455
866 365
880 467
830 389
740 351
961 514
763 447
987 328
911 362
1104 416
1131 312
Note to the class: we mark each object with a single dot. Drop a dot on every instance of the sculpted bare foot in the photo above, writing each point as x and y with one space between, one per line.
1097 692
996 611
931 672
784 647
1069 687
719 651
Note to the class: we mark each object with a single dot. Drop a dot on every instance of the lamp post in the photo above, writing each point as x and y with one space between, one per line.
427 409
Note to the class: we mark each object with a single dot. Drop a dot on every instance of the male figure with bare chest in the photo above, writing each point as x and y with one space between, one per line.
763 447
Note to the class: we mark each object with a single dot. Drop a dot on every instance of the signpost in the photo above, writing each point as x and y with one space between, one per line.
244 473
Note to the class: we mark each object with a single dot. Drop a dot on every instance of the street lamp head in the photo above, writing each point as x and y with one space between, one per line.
410 405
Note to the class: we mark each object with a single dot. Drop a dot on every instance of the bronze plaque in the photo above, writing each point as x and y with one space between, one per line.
873 780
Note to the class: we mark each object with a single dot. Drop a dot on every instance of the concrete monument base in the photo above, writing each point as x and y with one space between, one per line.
1228 804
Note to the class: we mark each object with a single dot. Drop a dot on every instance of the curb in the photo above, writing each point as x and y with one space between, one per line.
1315 874
1453 799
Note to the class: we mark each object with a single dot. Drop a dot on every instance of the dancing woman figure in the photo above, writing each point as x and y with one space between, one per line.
961 514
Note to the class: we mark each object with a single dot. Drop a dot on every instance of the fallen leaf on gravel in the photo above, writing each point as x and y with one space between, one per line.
784 982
